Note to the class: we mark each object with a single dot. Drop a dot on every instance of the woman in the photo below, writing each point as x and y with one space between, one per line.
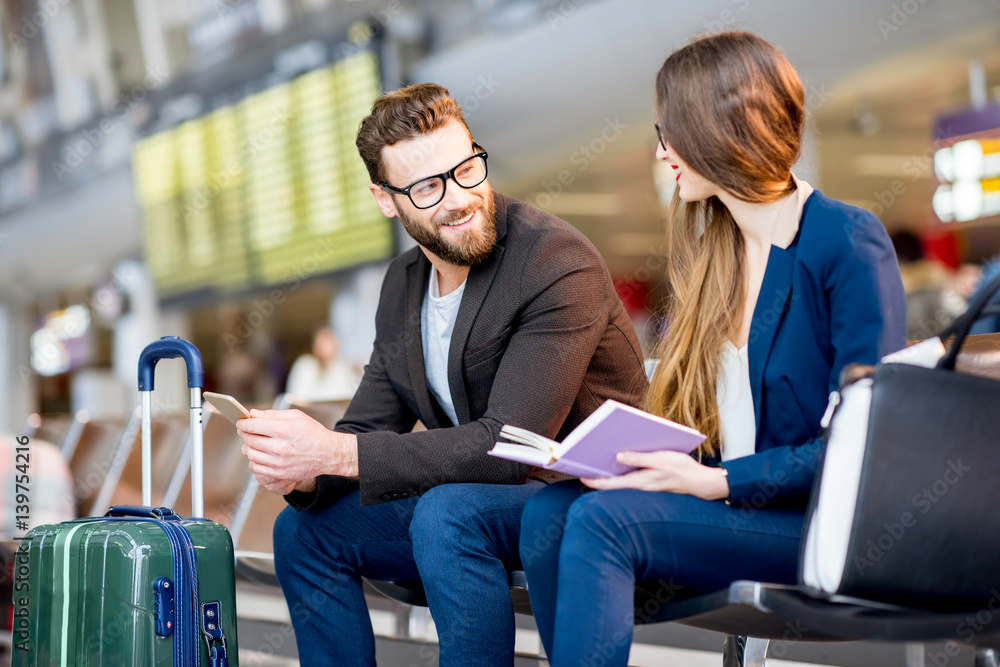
776 288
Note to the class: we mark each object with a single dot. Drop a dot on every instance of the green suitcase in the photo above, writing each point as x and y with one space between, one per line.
140 586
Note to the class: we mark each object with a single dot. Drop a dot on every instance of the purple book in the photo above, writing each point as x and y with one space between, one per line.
590 449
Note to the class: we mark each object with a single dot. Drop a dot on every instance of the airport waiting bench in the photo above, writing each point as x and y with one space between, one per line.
751 613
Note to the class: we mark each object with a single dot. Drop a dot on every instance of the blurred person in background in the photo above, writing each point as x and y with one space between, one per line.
239 375
931 301
990 271
243 371
322 375
968 278
502 314
776 288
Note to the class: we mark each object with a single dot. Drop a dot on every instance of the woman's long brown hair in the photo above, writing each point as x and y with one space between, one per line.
732 107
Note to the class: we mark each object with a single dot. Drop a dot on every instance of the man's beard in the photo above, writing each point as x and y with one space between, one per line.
471 247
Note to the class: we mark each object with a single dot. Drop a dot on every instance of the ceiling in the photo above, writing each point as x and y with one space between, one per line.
582 75
557 85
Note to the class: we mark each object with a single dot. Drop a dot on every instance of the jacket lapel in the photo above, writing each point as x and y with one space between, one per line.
417 278
775 294
477 286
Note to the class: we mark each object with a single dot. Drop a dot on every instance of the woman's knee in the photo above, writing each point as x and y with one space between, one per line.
549 506
600 515
543 521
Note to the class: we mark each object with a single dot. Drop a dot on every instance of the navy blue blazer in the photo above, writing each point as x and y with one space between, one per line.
833 297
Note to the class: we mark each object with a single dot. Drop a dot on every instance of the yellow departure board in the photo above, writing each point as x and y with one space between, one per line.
267 190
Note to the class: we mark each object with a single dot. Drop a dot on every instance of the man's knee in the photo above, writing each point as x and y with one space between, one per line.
286 533
439 513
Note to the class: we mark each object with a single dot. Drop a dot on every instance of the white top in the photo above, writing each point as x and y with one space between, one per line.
310 380
732 389
732 392
437 321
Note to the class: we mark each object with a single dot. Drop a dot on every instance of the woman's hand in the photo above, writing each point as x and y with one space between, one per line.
667 471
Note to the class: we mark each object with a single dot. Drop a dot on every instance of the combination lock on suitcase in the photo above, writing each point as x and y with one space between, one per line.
140 585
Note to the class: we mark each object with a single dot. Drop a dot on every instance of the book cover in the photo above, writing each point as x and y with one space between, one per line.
590 449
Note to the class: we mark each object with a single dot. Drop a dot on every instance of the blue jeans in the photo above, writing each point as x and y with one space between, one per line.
584 551
459 539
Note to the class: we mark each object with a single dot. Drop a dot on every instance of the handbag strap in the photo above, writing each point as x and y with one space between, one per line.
979 308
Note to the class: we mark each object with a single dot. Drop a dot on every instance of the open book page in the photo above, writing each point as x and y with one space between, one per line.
577 469
529 438
522 454
532 456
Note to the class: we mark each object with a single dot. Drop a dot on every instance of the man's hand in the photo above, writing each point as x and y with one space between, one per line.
288 450
283 486
667 471
280 486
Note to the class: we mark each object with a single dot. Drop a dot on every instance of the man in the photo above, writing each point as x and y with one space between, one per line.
502 315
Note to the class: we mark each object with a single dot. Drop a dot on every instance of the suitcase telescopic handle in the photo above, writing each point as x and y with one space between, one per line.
172 347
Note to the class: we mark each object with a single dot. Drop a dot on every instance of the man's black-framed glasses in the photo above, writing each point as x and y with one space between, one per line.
429 191
659 135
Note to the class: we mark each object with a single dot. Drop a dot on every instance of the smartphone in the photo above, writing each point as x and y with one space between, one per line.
230 408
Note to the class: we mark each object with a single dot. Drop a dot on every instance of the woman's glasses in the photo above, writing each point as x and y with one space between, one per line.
659 135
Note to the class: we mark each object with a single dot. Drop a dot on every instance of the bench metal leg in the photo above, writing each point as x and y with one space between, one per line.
403 620
744 652
987 657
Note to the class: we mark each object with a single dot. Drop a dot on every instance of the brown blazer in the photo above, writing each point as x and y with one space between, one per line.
541 340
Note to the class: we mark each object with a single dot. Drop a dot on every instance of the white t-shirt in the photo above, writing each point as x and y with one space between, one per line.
732 392
437 321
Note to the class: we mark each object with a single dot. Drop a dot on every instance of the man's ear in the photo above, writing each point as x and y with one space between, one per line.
384 200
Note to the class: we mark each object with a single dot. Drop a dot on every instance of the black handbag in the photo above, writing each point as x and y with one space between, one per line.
906 505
